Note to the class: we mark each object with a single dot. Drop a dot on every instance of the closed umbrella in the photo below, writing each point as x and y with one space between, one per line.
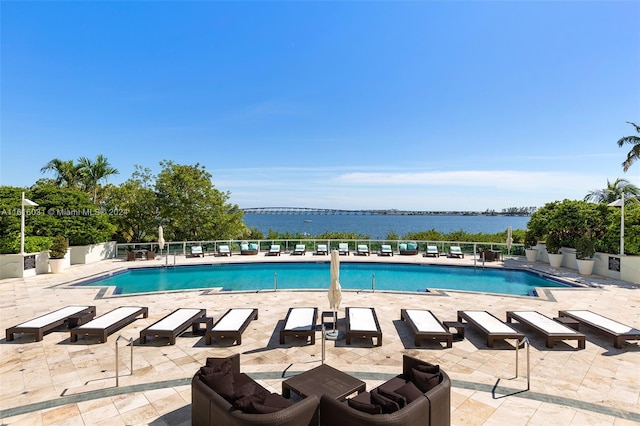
509 240
161 241
335 292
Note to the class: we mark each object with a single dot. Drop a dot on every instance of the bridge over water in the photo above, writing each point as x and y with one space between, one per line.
318 211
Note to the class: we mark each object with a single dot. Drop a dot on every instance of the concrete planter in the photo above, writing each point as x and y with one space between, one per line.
555 260
57 266
532 254
585 266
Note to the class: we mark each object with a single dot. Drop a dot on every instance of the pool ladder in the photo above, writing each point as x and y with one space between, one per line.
117 358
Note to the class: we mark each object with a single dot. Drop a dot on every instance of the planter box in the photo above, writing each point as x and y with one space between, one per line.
532 254
92 253
60 266
585 266
24 265
555 260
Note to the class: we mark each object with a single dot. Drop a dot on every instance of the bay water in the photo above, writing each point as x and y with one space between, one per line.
378 226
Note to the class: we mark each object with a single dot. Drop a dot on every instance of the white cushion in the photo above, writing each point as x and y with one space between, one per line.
489 322
52 317
233 320
174 320
361 319
545 323
111 318
424 320
300 319
603 322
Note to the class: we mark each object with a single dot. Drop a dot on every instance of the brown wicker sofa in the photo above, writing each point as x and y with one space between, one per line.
431 408
257 405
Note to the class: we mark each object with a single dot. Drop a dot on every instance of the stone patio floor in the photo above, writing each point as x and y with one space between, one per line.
56 382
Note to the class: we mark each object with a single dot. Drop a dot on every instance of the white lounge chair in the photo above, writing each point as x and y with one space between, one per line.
425 325
232 324
362 322
300 249
386 250
490 326
196 251
300 322
322 249
432 251
455 251
620 332
224 250
112 321
343 248
553 330
72 315
172 325
363 250
274 250
408 248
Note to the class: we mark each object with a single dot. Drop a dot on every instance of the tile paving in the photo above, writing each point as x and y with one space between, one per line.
58 382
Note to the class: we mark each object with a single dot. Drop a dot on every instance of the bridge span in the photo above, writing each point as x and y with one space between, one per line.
319 211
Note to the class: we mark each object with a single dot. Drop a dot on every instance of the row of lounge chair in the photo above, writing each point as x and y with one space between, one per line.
361 322
322 249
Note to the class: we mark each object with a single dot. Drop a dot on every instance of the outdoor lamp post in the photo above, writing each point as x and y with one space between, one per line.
25 202
620 203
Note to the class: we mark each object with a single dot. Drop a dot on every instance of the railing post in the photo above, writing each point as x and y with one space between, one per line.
524 341
324 336
118 359
275 281
373 282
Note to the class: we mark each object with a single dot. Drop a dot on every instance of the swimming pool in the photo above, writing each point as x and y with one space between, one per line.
315 275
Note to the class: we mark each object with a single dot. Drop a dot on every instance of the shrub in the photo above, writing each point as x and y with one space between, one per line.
553 244
530 239
585 248
58 248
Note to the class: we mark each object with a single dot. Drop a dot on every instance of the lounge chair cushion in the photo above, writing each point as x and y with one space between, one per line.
388 406
402 246
410 392
392 395
364 407
412 246
244 246
215 365
253 246
221 383
424 381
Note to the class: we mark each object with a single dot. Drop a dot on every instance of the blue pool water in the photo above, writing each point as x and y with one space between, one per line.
359 276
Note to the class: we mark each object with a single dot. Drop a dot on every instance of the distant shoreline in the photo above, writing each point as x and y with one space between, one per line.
304 211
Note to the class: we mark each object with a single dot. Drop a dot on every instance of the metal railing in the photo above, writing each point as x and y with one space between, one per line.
519 343
118 360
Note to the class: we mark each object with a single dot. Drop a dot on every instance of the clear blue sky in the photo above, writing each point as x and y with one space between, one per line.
408 105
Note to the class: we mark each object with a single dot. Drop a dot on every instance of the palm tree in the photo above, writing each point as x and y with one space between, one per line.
634 154
613 192
67 174
95 171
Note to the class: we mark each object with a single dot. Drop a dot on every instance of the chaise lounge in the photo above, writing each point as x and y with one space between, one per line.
300 322
300 249
620 332
362 322
343 248
71 315
232 324
456 251
489 325
552 330
322 249
109 323
362 250
224 250
274 250
432 251
172 325
425 325
196 251
386 250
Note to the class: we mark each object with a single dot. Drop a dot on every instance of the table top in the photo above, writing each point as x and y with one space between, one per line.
324 380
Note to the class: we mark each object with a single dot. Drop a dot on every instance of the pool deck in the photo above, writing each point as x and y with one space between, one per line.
58 382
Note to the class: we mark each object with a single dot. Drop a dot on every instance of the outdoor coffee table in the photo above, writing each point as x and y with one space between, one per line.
323 380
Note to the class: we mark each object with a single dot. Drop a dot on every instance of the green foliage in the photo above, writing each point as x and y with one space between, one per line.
58 248
553 243
530 239
192 209
10 245
585 249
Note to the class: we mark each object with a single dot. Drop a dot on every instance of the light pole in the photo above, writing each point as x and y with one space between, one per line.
25 202
620 203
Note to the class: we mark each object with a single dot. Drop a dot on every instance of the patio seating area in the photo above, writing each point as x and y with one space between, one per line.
80 385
